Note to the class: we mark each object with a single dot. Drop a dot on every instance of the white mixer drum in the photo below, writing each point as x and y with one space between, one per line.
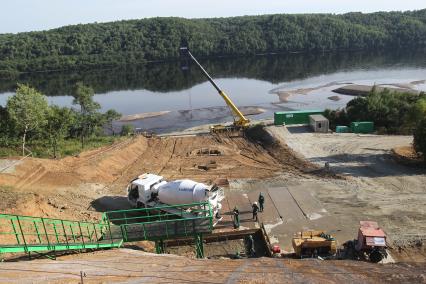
182 192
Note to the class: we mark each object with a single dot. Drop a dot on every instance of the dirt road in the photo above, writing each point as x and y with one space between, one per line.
375 187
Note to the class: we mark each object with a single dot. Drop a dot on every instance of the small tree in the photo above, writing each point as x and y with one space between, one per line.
58 125
336 117
28 110
83 96
417 112
109 117
420 138
6 125
127 129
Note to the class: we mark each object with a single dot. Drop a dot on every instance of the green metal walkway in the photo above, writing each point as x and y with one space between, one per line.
36 234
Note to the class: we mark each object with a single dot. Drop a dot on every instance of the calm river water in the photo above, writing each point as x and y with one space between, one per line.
271 83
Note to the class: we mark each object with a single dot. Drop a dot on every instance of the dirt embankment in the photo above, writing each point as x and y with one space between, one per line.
66 188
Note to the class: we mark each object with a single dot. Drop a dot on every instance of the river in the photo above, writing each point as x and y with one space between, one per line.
265 83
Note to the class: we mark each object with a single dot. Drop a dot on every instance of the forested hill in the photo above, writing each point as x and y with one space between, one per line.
138 41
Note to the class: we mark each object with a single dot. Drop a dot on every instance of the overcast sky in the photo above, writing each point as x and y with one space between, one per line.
29 15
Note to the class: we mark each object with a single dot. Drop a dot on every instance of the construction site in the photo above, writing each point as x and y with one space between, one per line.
251 202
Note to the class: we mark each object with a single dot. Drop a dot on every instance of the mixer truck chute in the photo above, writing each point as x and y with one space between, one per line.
149 190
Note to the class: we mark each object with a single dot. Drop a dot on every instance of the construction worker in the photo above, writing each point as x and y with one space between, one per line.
261 201
255 210
250 243
236 213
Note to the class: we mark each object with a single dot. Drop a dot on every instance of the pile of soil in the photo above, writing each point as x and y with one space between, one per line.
408 156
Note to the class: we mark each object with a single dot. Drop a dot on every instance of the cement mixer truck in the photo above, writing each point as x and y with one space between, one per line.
150 190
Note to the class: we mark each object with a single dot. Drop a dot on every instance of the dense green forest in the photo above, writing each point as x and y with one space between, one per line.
158 39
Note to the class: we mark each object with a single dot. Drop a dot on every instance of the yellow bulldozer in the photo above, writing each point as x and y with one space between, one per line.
313 244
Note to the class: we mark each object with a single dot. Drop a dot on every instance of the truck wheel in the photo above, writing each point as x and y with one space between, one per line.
375 256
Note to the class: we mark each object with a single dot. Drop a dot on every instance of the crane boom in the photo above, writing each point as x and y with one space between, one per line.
242 120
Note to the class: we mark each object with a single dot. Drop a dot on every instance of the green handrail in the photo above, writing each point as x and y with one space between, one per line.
159 213
178 206
42 234
45 234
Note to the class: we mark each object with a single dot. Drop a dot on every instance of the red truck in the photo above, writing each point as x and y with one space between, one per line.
371 243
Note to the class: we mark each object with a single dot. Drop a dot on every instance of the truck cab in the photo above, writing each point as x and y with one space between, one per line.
371 241
144 189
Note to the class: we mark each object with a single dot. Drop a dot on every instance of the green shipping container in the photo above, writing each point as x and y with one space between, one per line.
362 127
294 117
342 129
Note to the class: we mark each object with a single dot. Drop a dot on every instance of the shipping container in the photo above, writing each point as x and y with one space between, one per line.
342 129
362 127
294 117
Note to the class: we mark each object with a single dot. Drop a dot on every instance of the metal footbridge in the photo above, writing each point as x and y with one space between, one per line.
26 234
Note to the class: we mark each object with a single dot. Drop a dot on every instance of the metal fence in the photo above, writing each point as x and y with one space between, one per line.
35 234
162 222
26 234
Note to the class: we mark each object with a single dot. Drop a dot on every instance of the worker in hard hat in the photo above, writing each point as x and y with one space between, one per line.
255 208
261 201
250 243
236 213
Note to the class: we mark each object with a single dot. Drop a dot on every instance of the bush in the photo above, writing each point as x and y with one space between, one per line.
392 113
127 129
420 138
336 117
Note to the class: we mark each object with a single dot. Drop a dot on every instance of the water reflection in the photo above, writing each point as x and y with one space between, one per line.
273 83
167 77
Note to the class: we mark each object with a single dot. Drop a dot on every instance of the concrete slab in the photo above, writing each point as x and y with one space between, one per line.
311 208
289 209
241 200
292 208
286 205
7 166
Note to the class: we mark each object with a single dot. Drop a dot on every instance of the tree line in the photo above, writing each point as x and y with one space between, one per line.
53 130
158 39
391 112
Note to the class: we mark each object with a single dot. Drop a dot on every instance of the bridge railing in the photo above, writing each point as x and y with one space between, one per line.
25 234
162 222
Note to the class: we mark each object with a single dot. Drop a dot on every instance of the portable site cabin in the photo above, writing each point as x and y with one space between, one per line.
294 117
362 127
342 129
318 123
